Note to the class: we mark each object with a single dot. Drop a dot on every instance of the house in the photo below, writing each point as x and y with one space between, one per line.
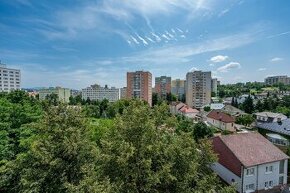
281 127
217 106
233 111
269 117
221 120
277 139
188 112
175 107
250 161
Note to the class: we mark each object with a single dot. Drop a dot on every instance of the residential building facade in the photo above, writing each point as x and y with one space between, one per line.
221 120
139 85
63 94
96 92
10 79
198 89
178 88
162 86
277 79
250 162
269 117
123 93
214 85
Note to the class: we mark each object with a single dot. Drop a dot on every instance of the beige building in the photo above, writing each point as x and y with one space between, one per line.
123 93
63 94
10 79
162 86
277 79
198 89
178 88
139 85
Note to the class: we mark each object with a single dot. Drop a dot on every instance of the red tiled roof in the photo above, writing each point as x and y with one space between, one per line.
250 149
186 109
220 116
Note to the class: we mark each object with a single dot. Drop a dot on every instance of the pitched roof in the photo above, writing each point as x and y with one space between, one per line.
187 109
272 115
232 110
218 115
252 149
282 127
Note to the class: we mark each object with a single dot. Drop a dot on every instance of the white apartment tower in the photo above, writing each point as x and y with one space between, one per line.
10 79
198 88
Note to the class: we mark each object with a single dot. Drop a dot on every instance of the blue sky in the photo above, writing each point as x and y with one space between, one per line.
78 43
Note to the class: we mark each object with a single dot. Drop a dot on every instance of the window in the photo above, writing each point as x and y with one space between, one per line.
281 167
269 169
266 185
281 180
250 171
270 184
250 187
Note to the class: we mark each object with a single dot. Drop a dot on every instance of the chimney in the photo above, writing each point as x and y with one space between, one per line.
279 121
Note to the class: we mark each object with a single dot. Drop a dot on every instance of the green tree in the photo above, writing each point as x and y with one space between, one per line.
248 105
246 120
62 157
201 131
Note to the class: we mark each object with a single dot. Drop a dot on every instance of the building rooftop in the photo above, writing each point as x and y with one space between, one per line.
252 149
270 114
186 109
221 116
282 127
217 106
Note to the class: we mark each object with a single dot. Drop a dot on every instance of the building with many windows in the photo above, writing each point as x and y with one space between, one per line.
251 162
163 86
277 79
198 89
63 94
139 85
214 85
96 92
10 79
123 93
178 88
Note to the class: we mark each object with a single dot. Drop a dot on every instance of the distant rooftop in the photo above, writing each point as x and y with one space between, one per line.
272 115
282 127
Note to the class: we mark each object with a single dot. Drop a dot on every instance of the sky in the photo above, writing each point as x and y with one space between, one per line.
76 43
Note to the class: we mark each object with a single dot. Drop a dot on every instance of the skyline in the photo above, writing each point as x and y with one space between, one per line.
77 45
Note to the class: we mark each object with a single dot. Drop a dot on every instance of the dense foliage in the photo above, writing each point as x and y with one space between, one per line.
49 147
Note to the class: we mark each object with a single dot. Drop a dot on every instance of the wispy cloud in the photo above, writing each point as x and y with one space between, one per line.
276 59
229 66
218 58
279 34
262 69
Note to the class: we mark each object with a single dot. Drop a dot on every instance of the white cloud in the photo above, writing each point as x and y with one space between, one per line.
229 66
157 38
218 58
262 69
135 40
193 69
143 40
211 64
280 34
277 59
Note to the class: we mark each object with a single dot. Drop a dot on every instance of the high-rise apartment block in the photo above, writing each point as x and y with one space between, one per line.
163 86
198 88
139 85
178 88
277 79
96 92
10 79
214 84
123 93
63 94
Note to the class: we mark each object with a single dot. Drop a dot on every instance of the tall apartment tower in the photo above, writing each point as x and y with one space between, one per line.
214 85
198 88
163 86
139 85
178 88
10 79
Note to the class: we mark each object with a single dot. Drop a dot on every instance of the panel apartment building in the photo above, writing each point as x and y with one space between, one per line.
96 92
178 88
10 79
271 80
63 94
139 85
163 86
198 89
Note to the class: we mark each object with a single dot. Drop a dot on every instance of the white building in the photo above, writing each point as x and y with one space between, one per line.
198 89
269 117
251 162
214 85
221 120
96 92
10 79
